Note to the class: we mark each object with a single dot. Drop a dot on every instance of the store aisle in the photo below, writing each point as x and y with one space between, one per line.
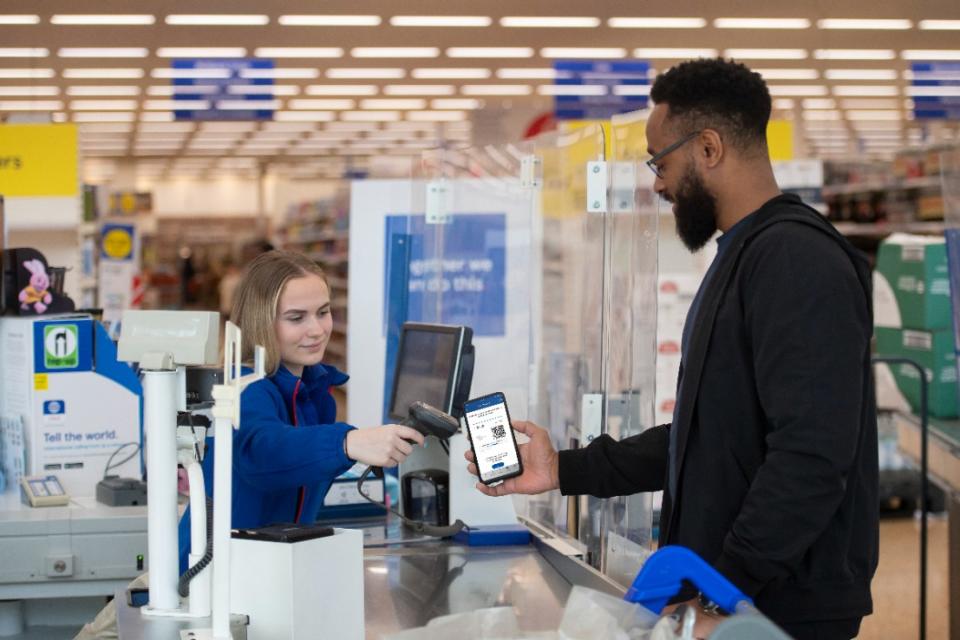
896 587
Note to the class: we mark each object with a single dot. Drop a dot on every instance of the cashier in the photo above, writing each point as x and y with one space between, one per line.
289 446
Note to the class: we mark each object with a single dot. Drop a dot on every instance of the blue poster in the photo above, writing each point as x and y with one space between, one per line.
226 82
455 272
624 88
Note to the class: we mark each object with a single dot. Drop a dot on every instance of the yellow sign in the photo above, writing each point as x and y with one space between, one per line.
780 139
38 160
40 382
117 244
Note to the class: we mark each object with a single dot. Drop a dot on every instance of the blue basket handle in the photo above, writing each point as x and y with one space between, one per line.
662 576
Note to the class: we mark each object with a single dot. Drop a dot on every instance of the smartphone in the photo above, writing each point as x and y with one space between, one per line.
491 438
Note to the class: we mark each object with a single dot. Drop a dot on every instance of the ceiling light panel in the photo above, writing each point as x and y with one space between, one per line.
176 105
854 90
395 52
572 90
23 52
766 54
106 128
788 74
85 19
583 52
30 105
329 20
102 52
103 90
945 25
341 90
783 103
797 90
103 105
656 23
673 53
462 73
441 21
562 22
175 89
103 74
456 103
26 74
103 116
490 52
854 54
833 23
226 19
860 74
304 116
931 54
761 23
298 52
20 18
391 73
280 73
496 90
875 114
320 104
941 91
393 103
532 73
419 90
29 91
201 52
191 74
260 89
869 103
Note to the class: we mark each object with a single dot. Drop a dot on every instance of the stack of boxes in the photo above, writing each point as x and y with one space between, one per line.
913 318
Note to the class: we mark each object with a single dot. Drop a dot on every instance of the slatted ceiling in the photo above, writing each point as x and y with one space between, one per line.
850 66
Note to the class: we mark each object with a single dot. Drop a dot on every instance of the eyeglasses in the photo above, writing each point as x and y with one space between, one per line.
652 162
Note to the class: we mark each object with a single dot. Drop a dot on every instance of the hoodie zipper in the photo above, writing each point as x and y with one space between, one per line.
301 494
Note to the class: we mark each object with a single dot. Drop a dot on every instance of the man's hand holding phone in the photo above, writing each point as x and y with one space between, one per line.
540 465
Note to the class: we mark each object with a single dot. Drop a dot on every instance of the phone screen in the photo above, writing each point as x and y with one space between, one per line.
491 437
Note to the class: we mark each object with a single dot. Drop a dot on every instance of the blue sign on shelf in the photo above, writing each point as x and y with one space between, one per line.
621 87
935 90
466 281
231 87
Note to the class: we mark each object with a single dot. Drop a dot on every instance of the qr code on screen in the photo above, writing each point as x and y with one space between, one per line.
499 431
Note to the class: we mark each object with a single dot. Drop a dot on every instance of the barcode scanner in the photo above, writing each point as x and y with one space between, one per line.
429 421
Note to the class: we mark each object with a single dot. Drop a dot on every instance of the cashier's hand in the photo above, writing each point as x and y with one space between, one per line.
384 446
540 465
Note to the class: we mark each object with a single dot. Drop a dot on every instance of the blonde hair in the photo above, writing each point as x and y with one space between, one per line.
257 295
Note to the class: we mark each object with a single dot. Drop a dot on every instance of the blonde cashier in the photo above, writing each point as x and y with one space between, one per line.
289 446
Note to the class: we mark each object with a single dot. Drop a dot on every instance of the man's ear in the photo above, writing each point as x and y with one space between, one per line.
712 149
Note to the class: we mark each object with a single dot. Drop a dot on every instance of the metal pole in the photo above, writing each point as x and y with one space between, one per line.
924 482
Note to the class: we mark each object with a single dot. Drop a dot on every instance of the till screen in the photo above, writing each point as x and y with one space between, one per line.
424 369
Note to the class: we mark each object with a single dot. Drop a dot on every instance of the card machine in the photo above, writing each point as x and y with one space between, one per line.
43 491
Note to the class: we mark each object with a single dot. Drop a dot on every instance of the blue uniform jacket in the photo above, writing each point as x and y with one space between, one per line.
276 452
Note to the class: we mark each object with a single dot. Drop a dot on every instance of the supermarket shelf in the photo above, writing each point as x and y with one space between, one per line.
892 185
881 229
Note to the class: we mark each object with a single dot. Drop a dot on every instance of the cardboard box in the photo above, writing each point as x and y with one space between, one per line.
911 285
932 350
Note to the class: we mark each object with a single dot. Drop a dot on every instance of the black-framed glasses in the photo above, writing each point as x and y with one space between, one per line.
652 162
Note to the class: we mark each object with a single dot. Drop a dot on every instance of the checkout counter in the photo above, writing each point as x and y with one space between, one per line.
410 579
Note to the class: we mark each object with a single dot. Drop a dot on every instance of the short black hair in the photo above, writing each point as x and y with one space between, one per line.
718 94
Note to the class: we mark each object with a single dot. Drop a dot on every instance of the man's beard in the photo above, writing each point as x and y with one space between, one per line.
695 211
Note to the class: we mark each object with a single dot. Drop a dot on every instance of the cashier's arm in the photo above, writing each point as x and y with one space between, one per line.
541 470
